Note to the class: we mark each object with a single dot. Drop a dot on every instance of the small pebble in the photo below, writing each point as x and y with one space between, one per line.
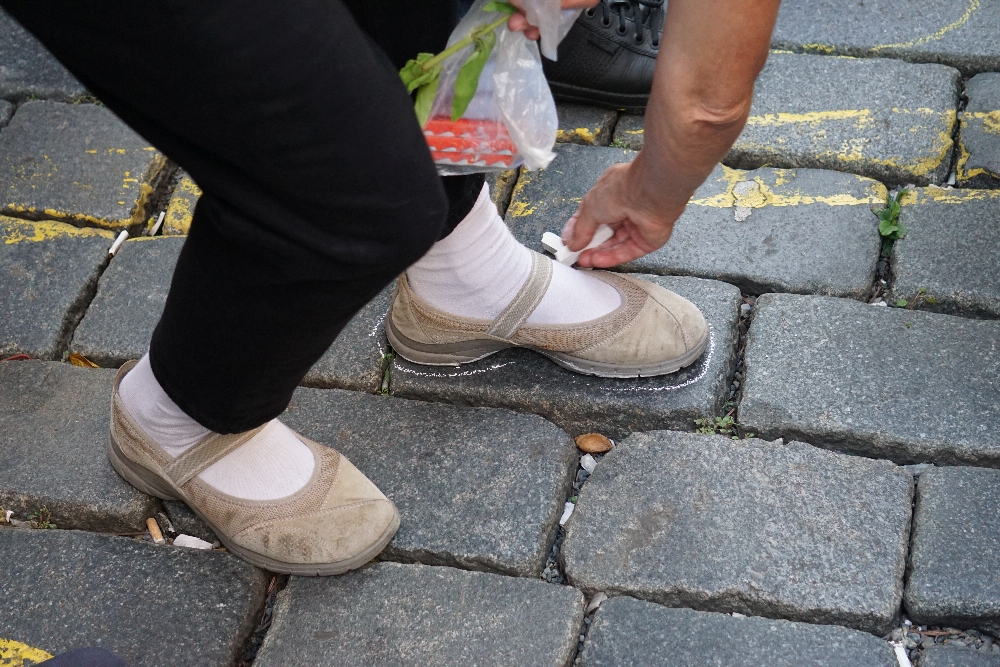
593 443
745 309
588 463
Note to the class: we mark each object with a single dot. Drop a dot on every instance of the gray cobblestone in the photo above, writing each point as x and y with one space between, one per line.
528 382
27 69
151 605
887 383
48 272
77 163
979 140
579 124
885 119
53 435
476 488
948 260
955 556
780 530
389 614
628 632
960 34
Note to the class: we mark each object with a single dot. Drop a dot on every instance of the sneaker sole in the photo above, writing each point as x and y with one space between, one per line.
632 102
150 483
455 354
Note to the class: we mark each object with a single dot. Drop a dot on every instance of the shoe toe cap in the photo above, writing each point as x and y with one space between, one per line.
328 536
667 327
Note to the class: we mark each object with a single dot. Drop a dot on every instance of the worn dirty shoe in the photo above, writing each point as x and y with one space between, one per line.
652 332
337 522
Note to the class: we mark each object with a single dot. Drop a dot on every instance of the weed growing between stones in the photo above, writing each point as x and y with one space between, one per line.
722 426
41 519
922 296
889 226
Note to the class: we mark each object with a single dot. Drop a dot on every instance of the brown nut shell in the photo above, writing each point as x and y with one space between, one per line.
593 443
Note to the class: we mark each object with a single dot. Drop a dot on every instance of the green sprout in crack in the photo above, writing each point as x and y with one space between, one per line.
721 426
41 518
889 225
921 297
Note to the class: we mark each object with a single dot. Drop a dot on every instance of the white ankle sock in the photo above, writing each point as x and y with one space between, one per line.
478 269
272 464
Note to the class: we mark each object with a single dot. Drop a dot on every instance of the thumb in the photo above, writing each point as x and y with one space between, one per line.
579 229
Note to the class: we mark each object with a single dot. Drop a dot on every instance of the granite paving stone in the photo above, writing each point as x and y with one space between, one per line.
888 383
628 632
476 488
765 230
526 381
27 69
777 230
948 260
955 555
53 436
130 299
885 119
6 111
49 271
961 34
544 200
949 656
151 605
76 162
180 206
979 139
133 290
767 529
402 615
356 360
581 124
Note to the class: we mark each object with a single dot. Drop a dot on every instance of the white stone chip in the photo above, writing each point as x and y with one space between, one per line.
191 542
588 463
567 513
595 602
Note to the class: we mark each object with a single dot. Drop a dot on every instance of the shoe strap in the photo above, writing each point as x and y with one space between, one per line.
526 300
204 453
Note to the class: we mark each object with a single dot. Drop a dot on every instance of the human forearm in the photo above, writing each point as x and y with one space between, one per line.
711 53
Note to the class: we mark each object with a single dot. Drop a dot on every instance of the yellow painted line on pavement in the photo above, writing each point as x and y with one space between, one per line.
585 133
944 196
13 231
180 209
862 117
971 9
14 654
765 194
962 20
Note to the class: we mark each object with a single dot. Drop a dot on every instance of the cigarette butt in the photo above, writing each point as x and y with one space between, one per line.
159 222
154 531
118 242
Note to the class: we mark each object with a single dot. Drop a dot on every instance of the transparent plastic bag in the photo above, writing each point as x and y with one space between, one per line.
511 118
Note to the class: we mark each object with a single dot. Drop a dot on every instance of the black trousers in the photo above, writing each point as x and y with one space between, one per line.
318 186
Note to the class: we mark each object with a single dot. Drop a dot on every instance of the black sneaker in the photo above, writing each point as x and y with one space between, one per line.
608 56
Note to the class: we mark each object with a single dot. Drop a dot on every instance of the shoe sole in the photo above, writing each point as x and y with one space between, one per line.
455 354
631 102
149 482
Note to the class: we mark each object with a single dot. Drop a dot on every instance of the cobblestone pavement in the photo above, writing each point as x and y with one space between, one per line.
847 500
